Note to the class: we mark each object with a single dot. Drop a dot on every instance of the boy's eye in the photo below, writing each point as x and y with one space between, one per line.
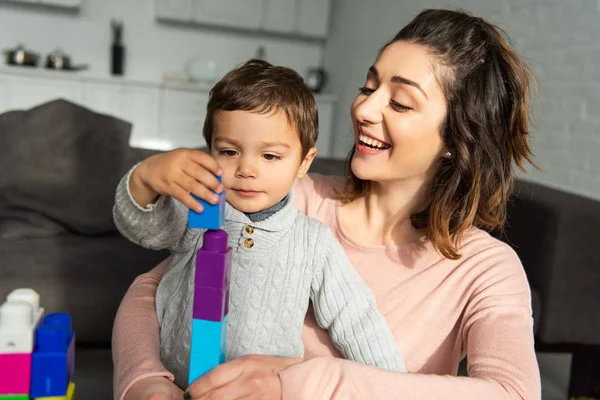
271 157
228 153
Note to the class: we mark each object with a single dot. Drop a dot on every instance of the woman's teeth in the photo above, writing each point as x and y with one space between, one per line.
373 143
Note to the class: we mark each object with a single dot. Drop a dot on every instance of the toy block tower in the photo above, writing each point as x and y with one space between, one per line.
211 292
19 316
53 359
213 216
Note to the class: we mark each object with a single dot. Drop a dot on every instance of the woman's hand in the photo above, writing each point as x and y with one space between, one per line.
154 388
248 377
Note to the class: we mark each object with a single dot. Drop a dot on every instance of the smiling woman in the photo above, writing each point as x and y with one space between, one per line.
443 108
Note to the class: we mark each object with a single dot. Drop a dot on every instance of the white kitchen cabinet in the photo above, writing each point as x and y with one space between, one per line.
245 14
4 100
182 132
20 1
163 117
279 15
179 10
56 3
62 3
141 107
293 17
102 97
25 92
324 141
182 117
313 17
184 102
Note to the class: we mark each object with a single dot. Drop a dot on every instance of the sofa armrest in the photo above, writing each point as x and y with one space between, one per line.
555 235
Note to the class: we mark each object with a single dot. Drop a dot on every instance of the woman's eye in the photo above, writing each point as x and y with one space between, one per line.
365 90
271 157
399 107
228 153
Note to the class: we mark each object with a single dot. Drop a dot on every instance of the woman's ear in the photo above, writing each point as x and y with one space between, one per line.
306 162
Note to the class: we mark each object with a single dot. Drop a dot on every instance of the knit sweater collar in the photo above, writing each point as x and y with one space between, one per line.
280 220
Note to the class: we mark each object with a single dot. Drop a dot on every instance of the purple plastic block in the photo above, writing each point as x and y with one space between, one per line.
213 261
209 303
227 299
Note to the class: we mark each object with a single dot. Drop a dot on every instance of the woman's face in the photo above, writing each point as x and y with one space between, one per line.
397 117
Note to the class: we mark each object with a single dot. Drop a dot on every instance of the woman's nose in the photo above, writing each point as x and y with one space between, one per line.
369 109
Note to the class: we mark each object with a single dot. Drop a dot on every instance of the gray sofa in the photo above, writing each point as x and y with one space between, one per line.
556 236
60 164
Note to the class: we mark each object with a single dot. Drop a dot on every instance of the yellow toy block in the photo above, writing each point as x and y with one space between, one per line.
70 394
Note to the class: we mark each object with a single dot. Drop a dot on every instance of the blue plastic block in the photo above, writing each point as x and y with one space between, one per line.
213 216
53 358
208 346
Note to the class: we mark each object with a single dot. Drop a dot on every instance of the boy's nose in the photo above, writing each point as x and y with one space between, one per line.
246 170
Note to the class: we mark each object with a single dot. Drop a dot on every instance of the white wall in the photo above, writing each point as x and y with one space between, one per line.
561 41
152 48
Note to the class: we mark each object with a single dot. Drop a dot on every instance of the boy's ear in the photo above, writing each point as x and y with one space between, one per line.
305 164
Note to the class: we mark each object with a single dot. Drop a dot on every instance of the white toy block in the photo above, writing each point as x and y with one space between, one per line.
19 316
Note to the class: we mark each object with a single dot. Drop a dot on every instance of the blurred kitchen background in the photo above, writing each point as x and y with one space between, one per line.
152 62
171 51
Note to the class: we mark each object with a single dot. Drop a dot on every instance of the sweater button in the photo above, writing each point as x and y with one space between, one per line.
249 230
248 243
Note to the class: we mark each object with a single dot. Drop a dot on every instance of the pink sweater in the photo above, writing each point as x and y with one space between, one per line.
438 309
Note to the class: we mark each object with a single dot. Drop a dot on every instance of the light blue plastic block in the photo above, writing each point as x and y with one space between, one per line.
213 216
208 346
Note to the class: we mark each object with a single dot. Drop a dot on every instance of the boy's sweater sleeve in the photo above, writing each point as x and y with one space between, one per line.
160 225
346 307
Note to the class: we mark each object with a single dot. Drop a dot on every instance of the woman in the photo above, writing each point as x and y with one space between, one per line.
439 123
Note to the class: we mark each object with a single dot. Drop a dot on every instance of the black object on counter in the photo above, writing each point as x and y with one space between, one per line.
117 48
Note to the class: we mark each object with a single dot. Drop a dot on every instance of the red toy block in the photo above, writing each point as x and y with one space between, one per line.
15 373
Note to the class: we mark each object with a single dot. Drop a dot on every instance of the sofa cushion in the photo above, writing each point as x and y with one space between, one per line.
60 165
86 277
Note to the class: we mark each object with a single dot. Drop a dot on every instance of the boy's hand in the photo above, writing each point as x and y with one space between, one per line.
178 173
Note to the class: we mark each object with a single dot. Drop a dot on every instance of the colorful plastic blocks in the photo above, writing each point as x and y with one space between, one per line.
37 356
211 304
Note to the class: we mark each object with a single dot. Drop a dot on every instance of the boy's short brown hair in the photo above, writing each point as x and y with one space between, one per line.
265 88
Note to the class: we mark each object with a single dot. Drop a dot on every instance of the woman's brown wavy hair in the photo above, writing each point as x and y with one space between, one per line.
487 90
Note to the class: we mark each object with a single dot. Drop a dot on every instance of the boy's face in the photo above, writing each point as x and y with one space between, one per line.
261 156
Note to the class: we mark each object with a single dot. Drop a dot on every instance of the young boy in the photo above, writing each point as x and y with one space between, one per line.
261 128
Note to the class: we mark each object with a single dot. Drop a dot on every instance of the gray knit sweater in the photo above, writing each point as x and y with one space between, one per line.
294 259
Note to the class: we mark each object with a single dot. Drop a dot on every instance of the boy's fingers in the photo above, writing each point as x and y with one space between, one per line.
201 191
203 176
187 200
206 160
